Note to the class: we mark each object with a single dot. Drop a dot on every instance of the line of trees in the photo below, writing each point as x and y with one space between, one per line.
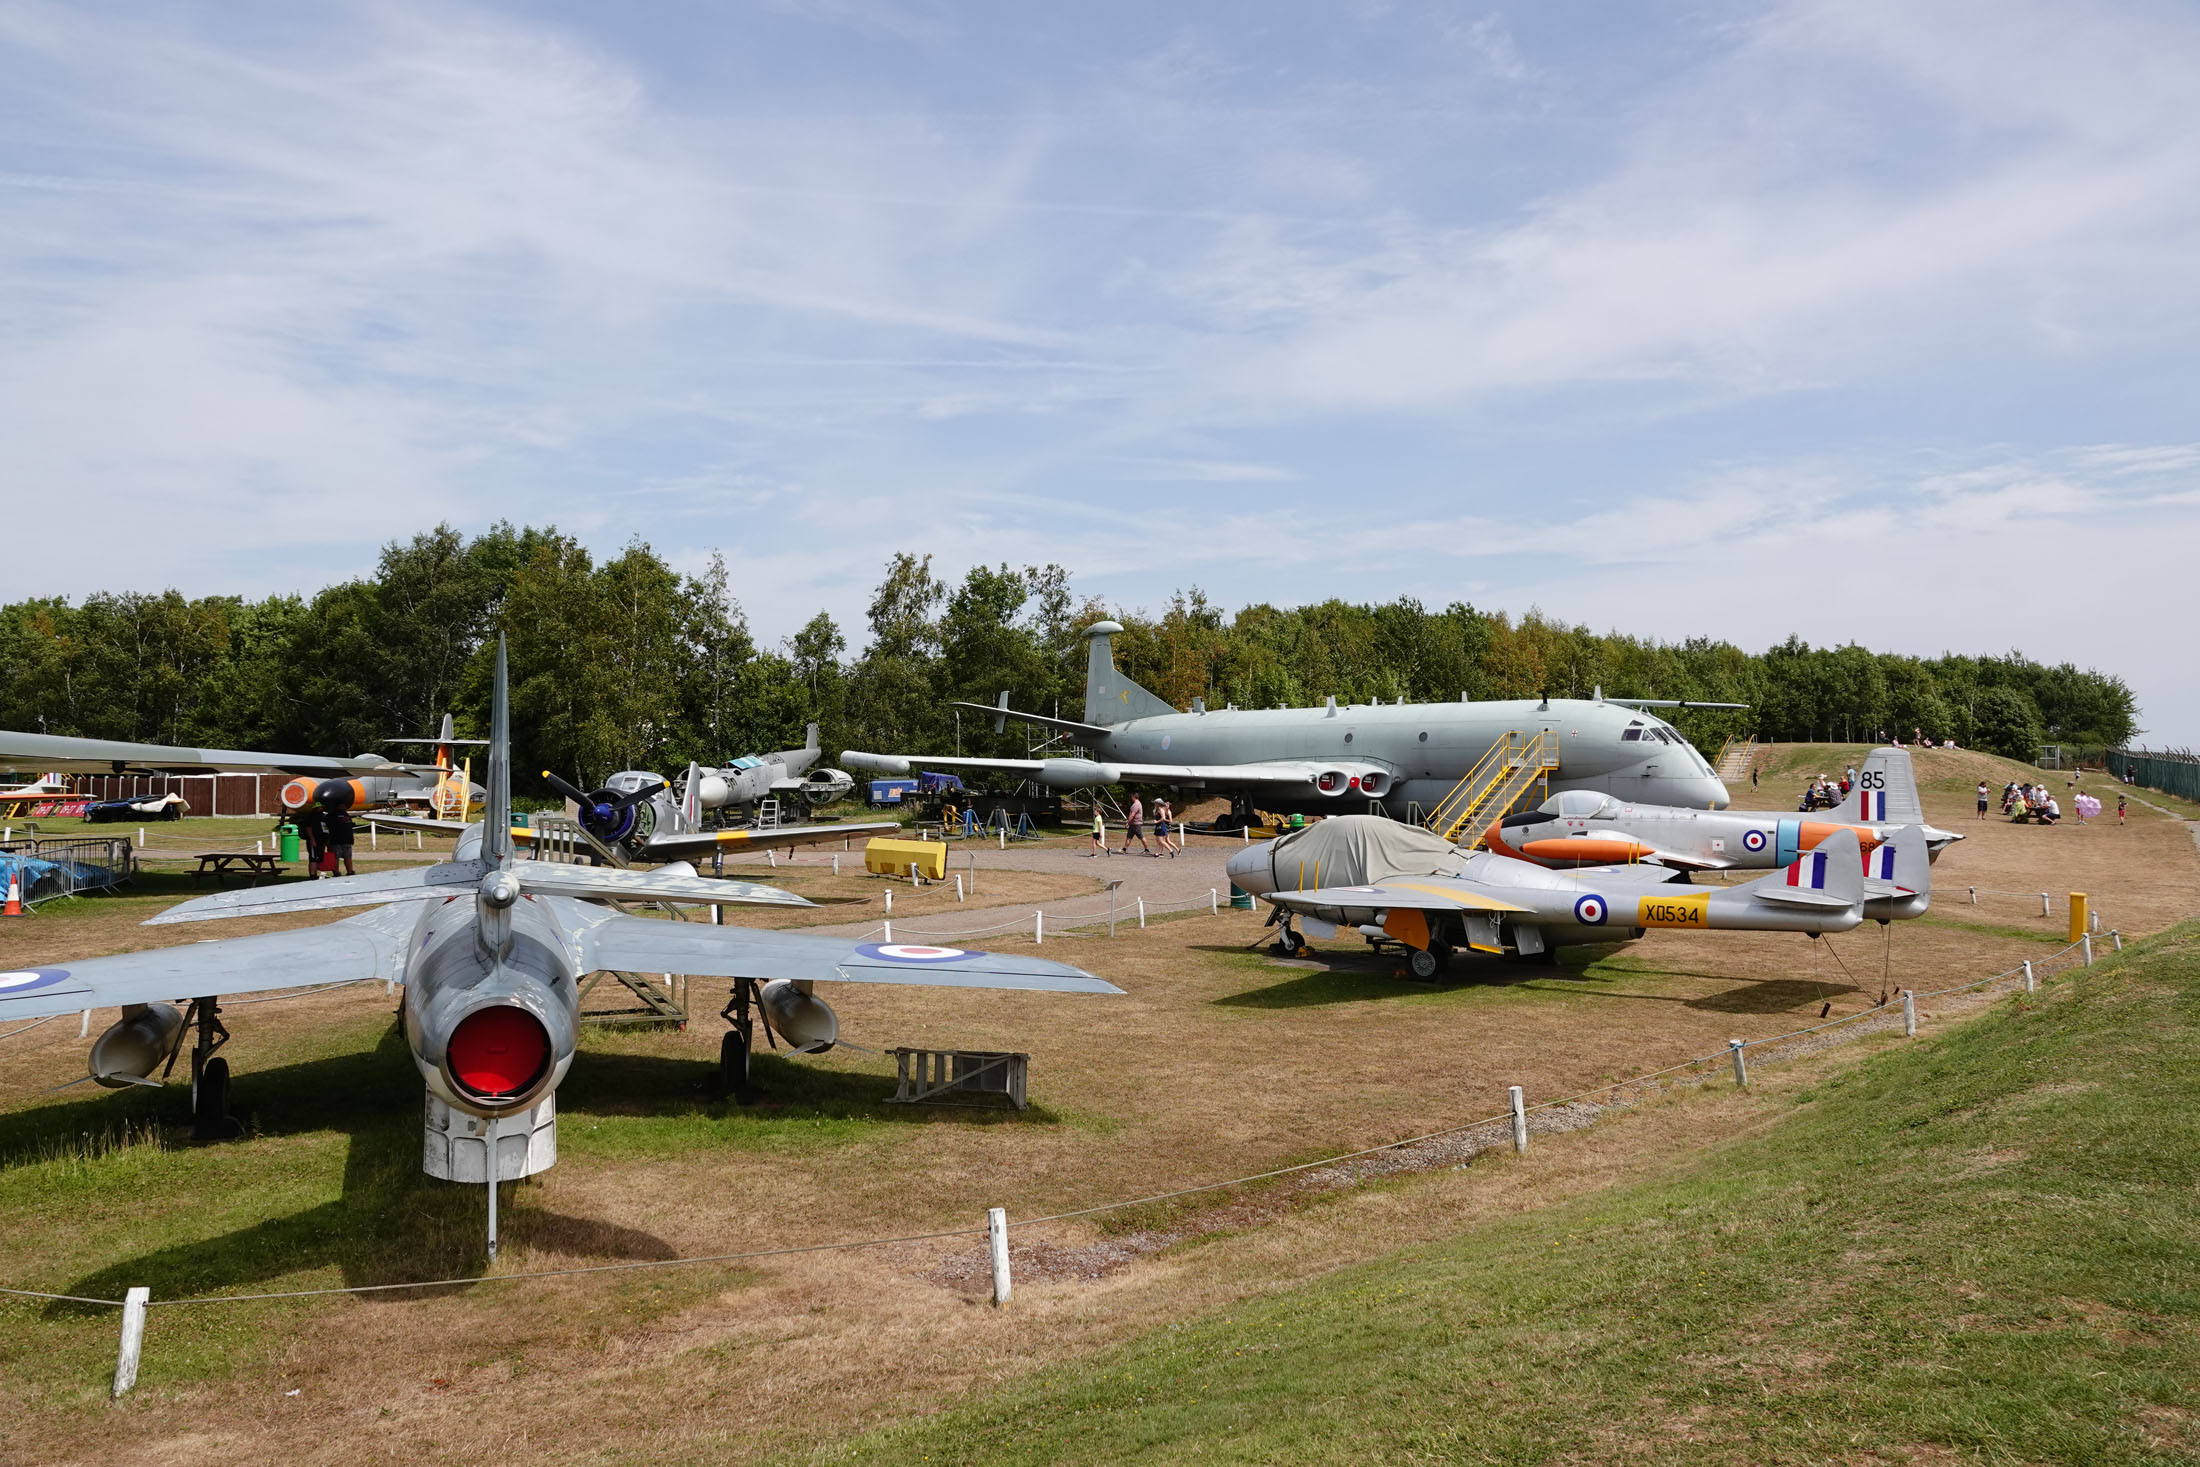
626 663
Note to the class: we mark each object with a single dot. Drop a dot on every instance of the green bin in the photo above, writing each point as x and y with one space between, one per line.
287 841
1243 900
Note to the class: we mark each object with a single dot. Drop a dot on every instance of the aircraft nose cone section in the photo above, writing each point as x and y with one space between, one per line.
1249 870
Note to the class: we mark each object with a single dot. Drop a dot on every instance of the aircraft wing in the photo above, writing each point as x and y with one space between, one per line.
407 884
113 756
1280 774
641 944
369 946
667 846
1423 894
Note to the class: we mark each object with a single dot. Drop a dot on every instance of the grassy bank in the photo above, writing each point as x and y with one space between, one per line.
1978 1247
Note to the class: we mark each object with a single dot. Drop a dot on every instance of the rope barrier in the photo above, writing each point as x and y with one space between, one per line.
2039 966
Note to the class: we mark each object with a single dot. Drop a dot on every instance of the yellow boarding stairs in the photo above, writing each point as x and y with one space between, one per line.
1495 786
1732 765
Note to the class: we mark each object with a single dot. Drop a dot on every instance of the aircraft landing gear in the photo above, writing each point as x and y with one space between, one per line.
1288 943
1428 963
210 1117
739 1043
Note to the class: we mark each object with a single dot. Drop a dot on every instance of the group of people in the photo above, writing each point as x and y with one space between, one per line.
1165 828
2020 801
327 834
1823 794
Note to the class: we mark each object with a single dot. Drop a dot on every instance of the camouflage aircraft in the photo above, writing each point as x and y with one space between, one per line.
1583 828
1398 884
1330 760
490 949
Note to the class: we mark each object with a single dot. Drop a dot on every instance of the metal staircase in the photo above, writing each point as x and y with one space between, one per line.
1495 785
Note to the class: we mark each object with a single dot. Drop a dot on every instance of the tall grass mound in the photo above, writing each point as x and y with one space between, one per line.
1979 1246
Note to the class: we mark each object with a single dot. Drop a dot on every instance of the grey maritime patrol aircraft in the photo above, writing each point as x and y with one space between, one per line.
491 950
1330 760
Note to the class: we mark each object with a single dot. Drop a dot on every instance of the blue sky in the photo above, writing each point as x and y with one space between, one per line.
1857 321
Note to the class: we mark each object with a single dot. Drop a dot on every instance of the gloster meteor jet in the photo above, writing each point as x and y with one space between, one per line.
1329 760
491 950
1583 828
1400 885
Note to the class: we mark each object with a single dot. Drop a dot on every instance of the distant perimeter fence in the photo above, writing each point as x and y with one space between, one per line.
58 868
2165 772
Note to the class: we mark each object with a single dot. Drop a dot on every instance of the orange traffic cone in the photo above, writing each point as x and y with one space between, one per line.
14 907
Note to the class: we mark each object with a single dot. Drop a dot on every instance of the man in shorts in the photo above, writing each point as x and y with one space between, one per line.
1134 827
337 831
1982 799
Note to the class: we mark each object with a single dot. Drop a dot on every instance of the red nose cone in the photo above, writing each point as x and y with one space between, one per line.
497 1053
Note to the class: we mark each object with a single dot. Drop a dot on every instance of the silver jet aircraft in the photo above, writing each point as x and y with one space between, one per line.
65 755
490 949
1403 885
1330 760
1584 828
785 775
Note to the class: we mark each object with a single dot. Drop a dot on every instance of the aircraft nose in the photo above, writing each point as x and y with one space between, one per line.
1250 871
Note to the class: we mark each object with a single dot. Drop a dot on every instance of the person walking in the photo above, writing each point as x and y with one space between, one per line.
1982 799
1164 816
1134 827
1099 832
2119 809
1753 776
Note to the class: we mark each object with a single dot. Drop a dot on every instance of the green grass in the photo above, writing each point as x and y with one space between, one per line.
1977 1247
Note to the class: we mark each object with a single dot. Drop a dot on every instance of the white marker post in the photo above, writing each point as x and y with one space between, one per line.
2117 938
2087 940
374 836
958 886
84 1025
886 932
1741 1065
996 1226
2031 984
836 865
1520 1119
1974 896
889 901
2047 908
1141 914
141 837
1909 1014
133 1339
1214 901
1038 926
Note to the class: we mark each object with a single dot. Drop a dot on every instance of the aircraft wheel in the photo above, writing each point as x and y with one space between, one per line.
1424 964
1290 942
210 1118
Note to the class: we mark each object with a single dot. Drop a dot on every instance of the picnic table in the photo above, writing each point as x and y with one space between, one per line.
222 862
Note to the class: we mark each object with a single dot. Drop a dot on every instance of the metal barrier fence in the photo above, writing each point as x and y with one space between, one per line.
65 867
2172 776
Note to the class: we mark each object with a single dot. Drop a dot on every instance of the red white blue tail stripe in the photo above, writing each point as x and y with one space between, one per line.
1880 863
1873 806
1809 871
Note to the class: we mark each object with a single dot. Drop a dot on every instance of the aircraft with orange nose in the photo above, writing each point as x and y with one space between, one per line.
1583 828
444 787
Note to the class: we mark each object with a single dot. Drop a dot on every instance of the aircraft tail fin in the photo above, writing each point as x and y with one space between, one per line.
1832 875
1905 859
443 751
496 806
810 744
691 796
1111 697
1885 792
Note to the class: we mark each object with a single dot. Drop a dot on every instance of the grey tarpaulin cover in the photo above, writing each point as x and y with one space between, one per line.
1358 850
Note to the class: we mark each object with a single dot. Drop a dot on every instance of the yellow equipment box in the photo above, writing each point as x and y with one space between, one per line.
895 857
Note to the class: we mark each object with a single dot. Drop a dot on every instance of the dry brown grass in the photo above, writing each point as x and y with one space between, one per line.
1219 1061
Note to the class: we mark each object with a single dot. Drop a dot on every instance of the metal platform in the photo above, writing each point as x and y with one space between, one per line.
930 1075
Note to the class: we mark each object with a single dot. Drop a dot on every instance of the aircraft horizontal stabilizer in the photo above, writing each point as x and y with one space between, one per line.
609 883
639 944
413 884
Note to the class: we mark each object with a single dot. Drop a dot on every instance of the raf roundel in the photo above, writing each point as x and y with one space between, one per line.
23 980
1753 840
1589 911
911 952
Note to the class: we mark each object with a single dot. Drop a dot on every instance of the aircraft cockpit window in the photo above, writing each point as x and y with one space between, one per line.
1632 733
1579 803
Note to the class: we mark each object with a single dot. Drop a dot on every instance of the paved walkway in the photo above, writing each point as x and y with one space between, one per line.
1165 882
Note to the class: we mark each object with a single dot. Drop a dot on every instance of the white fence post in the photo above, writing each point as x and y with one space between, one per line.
1141 914
836 863
1909 1014
1214 902
1974 896
889 901
2117 938
1520 1119
2031 983
1004 837
2094 919
141 837
771 859
958 886
2087 940
1038 926
996 1226
133 1338
2047 908
84 1025
887 929
374 836
1741 1065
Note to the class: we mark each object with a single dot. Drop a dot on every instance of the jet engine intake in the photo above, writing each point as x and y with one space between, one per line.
799 1016
135 1045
